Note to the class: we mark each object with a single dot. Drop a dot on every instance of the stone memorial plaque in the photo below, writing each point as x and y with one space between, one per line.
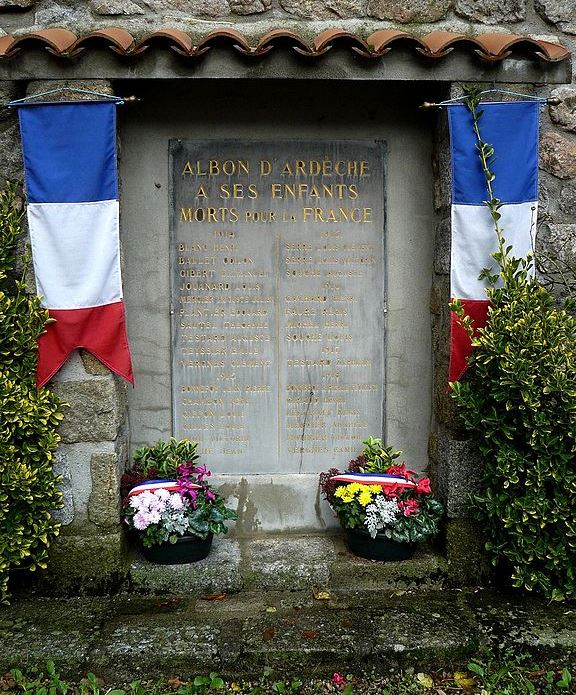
278 296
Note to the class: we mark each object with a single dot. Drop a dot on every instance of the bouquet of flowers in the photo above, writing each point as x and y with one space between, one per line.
381 496
162 510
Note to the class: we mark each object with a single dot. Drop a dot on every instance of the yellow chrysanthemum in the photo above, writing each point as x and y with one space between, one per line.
345 492
365 497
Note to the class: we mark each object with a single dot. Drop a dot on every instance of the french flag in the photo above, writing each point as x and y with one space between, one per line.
72 189
512 130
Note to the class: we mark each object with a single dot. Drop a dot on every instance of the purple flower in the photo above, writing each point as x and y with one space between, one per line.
209 496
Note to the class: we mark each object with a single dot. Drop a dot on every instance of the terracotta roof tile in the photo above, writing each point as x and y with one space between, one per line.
493 47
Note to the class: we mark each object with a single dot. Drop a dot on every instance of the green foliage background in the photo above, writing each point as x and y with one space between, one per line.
28 417
519 402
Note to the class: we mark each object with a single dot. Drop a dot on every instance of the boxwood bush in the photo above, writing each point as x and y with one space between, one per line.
29 417
519 402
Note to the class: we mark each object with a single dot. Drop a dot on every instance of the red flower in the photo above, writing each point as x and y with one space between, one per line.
409 507
423 487
400 470
338 679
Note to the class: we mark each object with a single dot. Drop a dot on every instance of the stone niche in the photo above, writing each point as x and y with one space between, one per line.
278 313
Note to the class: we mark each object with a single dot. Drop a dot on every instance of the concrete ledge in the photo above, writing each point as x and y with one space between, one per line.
293 563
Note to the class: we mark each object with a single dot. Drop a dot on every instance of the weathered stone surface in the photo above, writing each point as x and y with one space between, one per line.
38 629
561 12
194 8
465 551
135 645
73 15
11 166
425 569
568 200
325 9
16 4
558 242
558 155
491 11
442 173
459 473
442 247
298 563
86 564
92 365
96 410
244 7
219 572
104 501
61 467
116 7
405 11
564 114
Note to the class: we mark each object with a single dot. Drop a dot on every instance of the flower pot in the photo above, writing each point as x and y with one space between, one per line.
361 543
186 549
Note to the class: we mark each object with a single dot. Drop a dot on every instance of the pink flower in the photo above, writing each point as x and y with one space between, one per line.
338 680
175 502
423 487
209 495
409 507
141 521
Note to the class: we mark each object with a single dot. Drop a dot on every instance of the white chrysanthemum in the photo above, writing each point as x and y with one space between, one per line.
381 513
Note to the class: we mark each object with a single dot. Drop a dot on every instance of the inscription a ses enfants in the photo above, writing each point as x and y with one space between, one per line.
278 294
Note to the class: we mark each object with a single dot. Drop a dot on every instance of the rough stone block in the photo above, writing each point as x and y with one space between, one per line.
405 11
96 410
325 9
7 5
467 563
491 11
289 563
65 515
11 166
54 13
568 200
424 629
39 629
562 12
116 8
442 172
558 155
564 114
92 365
104 501
442 247
192 8
86 564
425 570
558 242
218 573
459 473
245 7
132 646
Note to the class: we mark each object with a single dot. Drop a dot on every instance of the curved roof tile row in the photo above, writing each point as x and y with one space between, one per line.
492 47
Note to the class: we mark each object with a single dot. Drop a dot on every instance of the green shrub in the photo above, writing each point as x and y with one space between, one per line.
29 417
519 403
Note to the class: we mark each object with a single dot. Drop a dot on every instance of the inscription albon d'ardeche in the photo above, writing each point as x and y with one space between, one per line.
277 277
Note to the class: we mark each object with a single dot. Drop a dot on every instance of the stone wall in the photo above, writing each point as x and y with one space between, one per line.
549 16
94 448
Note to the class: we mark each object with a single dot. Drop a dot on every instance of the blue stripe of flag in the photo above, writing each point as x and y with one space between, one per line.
512 129
69 152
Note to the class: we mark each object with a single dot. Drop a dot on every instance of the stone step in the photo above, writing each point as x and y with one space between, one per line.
129 637
286 563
